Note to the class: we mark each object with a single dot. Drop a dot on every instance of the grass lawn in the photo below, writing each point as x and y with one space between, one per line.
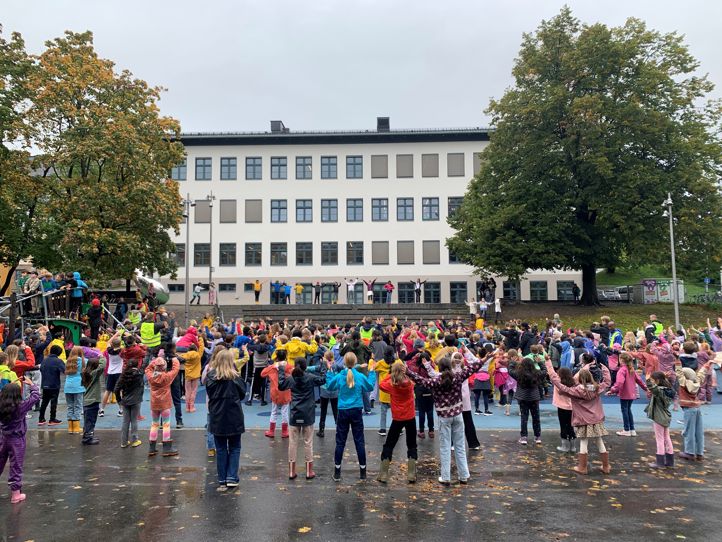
628 277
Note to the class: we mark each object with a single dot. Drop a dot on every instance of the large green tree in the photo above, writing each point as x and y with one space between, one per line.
600 124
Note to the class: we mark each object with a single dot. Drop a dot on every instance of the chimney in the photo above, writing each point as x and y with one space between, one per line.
277 127
383 124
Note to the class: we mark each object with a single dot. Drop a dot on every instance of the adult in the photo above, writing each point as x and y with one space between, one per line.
389 288
418 283
576 292
317 293
197 289
212 294
370 291
95 318
257 287
276 290
334 291
351 290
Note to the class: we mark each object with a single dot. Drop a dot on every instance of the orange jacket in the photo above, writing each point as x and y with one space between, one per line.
160 397
278 397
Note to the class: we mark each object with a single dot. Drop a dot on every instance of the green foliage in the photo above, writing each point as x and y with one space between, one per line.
600 124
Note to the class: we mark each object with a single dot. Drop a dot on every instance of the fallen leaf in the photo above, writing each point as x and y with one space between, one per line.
304 529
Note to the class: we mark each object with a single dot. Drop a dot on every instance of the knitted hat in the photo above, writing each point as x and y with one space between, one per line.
95 302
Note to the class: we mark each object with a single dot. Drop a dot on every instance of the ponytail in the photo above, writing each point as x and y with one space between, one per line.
299 368
349 360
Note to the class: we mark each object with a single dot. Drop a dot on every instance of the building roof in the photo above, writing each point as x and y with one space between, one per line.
335 137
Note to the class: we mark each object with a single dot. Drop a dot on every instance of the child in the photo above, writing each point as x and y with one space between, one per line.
51 369
279 399
693 432
113 368
303 411
382 370
661 397
129 391
74 389
626 387
192 376
564 411
587 412
329 396
352 384
91 400
482 385
160 379
13 426
528 394
401 393
469 430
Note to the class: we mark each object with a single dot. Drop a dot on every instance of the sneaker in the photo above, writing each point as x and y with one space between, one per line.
136 443
477 412
231 485
211 453
28 415
632 433
443 482
179 425
522 441
41 422
54 422
101 413
336 474
420 434
221 488
488 413
382 432
125 445
120 414
624 433
537 440
475 448
463 481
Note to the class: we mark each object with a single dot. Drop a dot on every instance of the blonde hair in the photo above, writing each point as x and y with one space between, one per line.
71 366
586 378
349 360
224 366
398 373
627 360
12 352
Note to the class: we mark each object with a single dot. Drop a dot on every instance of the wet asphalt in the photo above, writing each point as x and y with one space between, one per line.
516 494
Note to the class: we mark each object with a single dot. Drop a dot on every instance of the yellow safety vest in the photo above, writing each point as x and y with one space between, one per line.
148 335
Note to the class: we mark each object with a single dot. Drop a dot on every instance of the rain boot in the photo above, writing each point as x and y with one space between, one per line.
581 467
168 449
669 460
362 472
564 446
606 469
292 470
310 475
271 433
284 430
16 496
71 427
320 433
152 450
659 464
411 468
573 448
383 476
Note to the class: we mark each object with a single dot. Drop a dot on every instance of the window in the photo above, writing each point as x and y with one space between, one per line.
329 166
379 252
228 169
455 164
538 290
306 297
404 166
429 165
176 288
454 204
357 296
254 211
429 208
354 210
453 258
228 211
406 292
180 254
564 290
355 253
303 167
431 252
253 168
404 209
380 209
458 292
511 290
279 254
227 287
304 253
179 172
247 287
227 255
201 254
379 166
432 292
304 210
405 252
354 167
279 210
329 210
202 211
477 163
253 254
203 169
379 293
279 167
329 253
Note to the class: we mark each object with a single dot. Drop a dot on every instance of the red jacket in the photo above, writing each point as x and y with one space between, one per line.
21 366
402 399
133 355
277 396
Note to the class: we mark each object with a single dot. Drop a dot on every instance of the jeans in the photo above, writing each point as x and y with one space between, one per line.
532 407
719 380
693 432
75 405
49 396
324 410
130 421
393 437
664 442
353 418
566 431
451 433
627 417
366 401
469 430
426 410
228 457
388 297
210 441
90 415
385 407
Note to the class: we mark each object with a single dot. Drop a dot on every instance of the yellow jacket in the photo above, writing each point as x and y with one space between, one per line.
193 364
296 348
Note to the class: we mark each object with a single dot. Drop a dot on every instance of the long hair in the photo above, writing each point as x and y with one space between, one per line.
10 397
586 378
224 366
87 374
349 360
71 367
398 373
299 367
528 375
566 377
661 379
628 361
12 352
447 376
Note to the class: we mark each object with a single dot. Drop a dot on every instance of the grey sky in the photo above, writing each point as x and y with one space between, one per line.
322 64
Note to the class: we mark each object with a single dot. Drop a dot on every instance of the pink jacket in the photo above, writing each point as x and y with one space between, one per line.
190 337
561 400
626 384
586 403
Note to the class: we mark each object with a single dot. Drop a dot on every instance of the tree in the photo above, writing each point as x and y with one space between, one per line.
599 126
105 155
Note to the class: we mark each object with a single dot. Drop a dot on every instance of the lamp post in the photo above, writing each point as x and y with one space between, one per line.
187 203
210 197
675 293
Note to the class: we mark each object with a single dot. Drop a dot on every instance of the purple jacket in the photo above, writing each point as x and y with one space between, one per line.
17 426
626 384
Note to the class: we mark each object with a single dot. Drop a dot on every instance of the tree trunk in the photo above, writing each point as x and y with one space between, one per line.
589 285
8 280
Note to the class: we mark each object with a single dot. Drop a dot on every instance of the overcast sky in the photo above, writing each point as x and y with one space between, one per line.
233 65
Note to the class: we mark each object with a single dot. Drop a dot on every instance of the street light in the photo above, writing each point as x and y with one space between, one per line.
675 294
210 197
187 203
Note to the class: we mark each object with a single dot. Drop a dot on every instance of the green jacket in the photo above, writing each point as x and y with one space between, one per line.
658 408
93 390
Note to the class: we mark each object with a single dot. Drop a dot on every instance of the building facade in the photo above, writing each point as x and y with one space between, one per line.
303 207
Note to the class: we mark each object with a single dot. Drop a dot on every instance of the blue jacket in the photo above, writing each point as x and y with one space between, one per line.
567 357
242 340
78 292
350 397
73 383
51 369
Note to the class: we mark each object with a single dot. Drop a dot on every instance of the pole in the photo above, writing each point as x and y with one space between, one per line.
187 203
210 253
675 293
